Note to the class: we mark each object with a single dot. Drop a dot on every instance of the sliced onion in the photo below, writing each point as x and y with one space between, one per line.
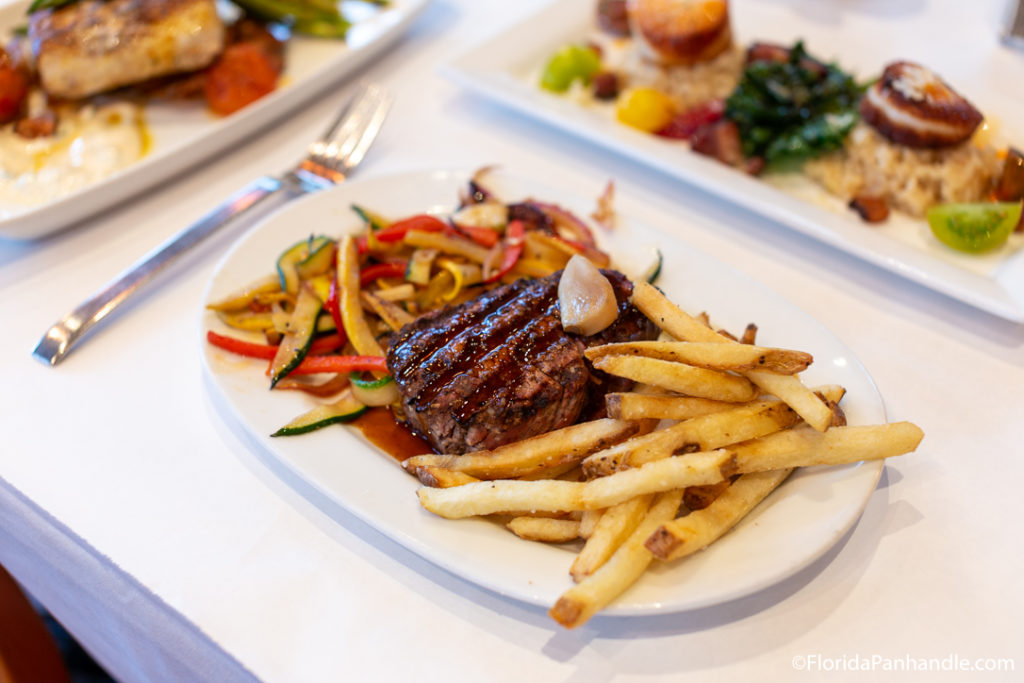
569 223
484 215
586 298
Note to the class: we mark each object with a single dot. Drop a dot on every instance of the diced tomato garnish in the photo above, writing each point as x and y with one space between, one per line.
241 75
13 88
682 126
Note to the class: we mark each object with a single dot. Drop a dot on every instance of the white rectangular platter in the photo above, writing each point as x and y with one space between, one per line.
862 37
183 135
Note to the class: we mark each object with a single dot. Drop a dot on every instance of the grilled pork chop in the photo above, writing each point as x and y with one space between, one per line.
94 45
500 368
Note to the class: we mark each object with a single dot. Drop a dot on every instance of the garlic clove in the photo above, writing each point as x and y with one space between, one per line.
585 298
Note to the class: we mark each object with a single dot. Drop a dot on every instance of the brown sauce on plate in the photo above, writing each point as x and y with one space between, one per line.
395 438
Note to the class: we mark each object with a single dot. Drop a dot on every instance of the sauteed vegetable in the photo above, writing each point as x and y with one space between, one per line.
333 302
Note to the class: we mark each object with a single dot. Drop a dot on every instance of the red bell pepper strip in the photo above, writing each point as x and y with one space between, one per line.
240 346
266 351
396 231
485 237
515 235
331 342
333 306
379 270
312 365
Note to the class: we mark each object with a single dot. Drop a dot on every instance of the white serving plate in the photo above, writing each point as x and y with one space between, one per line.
792 528
504 68
184 135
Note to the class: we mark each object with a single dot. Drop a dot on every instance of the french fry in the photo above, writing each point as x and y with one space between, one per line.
699 497
749 334
620 520
441 477
614 527
502 495
699 529
798 447
488 497
672 319
791 390
685 379
669 317
697 434
632 405
803 447
545 529
563 446
567 471
583 600
712 355
589 520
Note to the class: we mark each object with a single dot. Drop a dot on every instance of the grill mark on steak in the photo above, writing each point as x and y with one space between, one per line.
466 339
500 368
433 338
500 364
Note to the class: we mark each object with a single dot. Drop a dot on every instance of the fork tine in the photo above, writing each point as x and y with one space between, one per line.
350 125
370 130
342 126
365 90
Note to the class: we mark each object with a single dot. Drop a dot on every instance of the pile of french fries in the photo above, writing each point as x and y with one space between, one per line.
716 425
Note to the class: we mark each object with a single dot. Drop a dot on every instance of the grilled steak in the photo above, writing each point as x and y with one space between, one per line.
93 46
500 368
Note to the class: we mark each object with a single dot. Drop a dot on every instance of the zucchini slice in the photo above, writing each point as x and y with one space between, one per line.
320 259
654 270
345 409
374 220
288 262
375 392
418 269
297 340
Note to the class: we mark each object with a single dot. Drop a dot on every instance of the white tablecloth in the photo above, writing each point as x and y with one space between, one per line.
145 521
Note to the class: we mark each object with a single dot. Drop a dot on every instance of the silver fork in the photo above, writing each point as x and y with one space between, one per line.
328 162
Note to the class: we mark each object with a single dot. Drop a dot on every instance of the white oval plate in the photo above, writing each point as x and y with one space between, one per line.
184 135
792 528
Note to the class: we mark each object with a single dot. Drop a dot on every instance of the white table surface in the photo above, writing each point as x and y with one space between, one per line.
149 525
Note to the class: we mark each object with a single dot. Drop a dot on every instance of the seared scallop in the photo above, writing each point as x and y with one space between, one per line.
681 31
912 106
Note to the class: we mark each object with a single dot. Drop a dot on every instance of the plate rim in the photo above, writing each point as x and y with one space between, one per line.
871 469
